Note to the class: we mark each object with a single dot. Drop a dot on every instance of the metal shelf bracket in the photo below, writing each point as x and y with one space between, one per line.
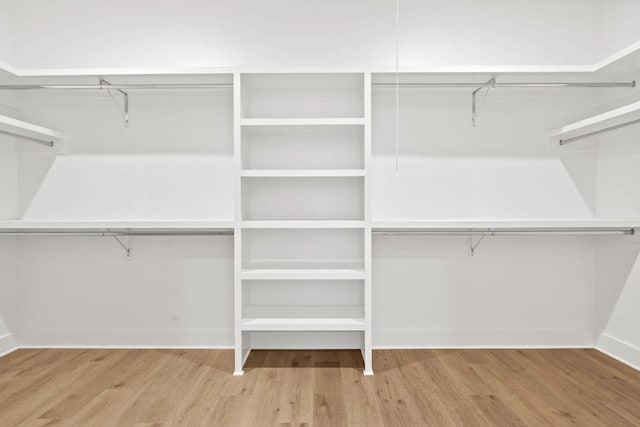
491 83
474 246
105 85
127 246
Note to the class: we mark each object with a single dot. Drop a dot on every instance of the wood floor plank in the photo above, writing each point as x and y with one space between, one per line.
329 408
317 388
295 400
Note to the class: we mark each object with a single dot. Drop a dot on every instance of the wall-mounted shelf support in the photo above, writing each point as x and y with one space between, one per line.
106 85
474 98
125 246
474 246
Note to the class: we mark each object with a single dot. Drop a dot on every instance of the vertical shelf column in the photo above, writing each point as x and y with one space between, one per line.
239 350
367 352
333 206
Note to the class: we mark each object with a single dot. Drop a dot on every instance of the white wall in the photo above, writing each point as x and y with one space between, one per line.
135 187
173 291
617 158
8 178
515 291
9 305
8 245
618 25
505 167
279 33
428 292
621 337
616 258
195 127
161 122
7 31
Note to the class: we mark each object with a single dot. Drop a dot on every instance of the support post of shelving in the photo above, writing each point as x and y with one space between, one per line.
367 351
237 235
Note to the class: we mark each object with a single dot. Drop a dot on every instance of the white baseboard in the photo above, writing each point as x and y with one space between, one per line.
482 338
8 344
382 339
619 350
126 338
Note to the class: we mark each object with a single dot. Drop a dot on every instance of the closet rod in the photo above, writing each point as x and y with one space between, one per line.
29 138
598 132
631 84
121 86
380 84
510 232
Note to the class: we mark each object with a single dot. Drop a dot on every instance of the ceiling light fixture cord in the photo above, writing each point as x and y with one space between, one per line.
397 147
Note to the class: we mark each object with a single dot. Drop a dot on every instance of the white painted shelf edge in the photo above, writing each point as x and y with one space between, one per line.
463 224
302 121
297 324
100 226
302 274
29 130
311 224
466 224
599 121
300 173
203 70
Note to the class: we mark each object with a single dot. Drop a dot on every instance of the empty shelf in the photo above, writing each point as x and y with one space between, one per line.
311 224
302 274
184 227
302 121
505 226
283 173
269 324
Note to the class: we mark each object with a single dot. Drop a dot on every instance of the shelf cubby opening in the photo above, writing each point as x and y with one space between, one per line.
303 249
301 299
339 95
303 147
324 198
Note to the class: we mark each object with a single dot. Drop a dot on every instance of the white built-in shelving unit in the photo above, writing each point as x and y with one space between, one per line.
302 145
302 190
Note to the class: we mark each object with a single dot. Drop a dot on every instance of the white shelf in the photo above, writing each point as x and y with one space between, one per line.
175 227
29 130
302 274
334 324
613 58
310 224
505 224
302 121
301 173
599 121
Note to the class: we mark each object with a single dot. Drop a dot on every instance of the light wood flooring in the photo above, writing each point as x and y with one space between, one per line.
317 388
